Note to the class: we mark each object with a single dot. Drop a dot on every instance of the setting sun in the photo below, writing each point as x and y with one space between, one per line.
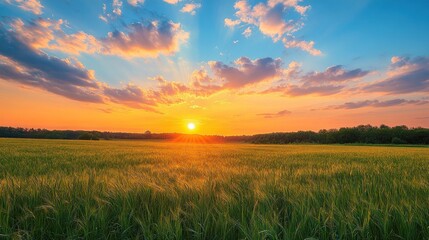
191 126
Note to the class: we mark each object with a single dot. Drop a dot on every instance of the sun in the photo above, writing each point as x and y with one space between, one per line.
191 126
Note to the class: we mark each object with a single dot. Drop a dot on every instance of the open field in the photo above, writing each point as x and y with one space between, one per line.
59 189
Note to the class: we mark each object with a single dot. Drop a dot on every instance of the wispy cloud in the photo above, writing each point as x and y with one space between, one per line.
33 6
275 115
378 104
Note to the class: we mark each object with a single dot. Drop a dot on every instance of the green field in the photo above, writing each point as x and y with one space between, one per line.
59 189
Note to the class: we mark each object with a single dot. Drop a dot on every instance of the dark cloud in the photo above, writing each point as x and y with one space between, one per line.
274 115
405 76
26 65
23 63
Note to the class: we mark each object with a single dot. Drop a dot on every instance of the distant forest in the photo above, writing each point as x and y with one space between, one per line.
365 134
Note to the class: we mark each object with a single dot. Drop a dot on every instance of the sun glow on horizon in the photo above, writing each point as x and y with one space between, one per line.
191 126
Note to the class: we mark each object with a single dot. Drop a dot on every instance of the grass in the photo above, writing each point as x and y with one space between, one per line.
59 189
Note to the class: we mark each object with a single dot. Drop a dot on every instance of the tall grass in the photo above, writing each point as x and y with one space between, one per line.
55 189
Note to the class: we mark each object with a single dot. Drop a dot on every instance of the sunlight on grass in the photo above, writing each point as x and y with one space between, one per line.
57 189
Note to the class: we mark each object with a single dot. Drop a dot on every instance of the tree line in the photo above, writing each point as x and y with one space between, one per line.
365 134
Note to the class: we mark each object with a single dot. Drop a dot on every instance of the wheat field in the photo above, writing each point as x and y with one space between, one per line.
63 189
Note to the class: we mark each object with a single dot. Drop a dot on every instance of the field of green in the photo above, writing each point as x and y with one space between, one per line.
63 189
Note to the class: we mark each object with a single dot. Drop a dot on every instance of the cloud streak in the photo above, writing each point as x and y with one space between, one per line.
275 115
33 6
378 104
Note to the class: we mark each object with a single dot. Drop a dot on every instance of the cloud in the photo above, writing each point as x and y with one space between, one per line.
21 63
334 74
135 2
117 5
301 90
247 32
138 40
129 95
172 1
378 104
137 97
33 6
406 75
190 8
303 45
246 72
103 18
25 65
202 84
329 82
169 88
276 20
48 34
231 23
146 40
275 115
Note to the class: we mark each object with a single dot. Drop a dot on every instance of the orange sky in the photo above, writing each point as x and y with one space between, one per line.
225 114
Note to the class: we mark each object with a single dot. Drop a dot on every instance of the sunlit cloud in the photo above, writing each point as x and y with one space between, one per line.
172 1
22 64
139 39
334 74
231 23
405 75
135 2
117 5
331 81
274 20
246 72
190 8
146 40
303 45
247 32
33 6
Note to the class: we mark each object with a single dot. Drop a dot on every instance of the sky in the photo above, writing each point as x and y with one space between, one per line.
229 67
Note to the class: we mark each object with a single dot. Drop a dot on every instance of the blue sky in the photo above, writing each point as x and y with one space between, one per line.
153 54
